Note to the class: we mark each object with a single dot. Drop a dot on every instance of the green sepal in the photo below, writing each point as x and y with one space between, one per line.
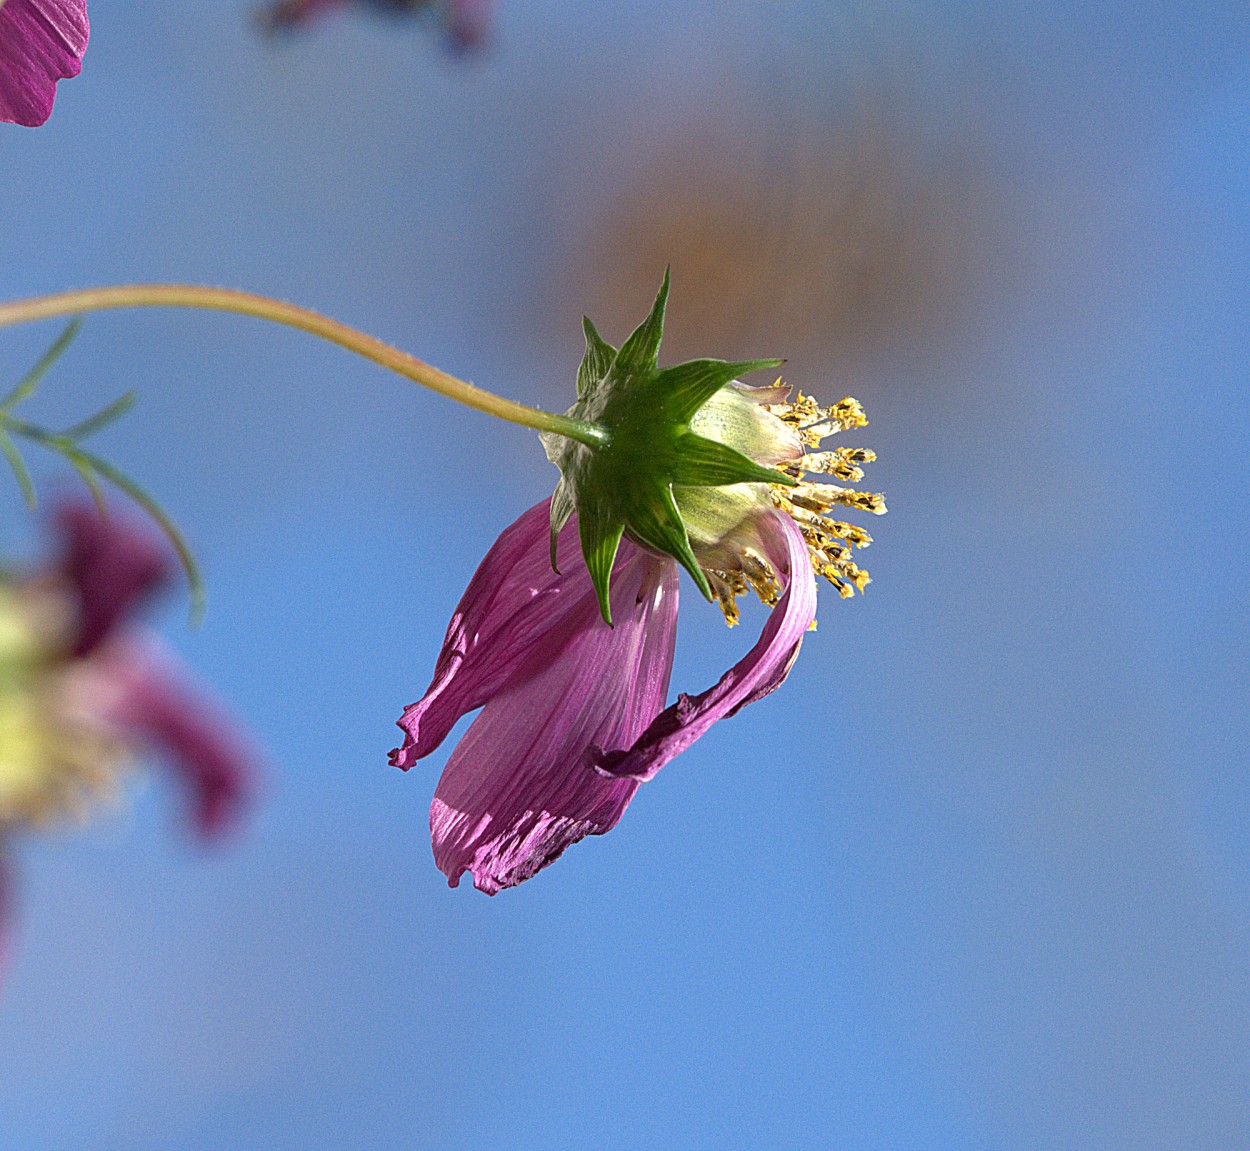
658 524
685 388
625 485
596 362
708 463
600 539
640 353
562 507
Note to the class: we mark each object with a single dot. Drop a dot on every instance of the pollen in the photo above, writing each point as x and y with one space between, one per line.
762 579
830 543
841 462
727 587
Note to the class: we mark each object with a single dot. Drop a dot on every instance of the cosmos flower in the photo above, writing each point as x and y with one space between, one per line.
564 637
465 22
41 42
82 693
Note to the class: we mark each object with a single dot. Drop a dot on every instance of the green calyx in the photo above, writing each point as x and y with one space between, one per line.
626 485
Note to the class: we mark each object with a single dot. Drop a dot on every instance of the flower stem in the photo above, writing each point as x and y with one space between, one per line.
248 304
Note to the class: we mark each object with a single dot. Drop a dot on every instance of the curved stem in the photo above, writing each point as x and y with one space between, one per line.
248 304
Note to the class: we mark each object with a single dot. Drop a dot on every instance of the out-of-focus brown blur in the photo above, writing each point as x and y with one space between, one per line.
836 243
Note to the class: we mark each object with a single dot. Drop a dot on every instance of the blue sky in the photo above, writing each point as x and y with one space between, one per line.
977 877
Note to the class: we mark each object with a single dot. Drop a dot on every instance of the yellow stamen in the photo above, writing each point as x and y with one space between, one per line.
852 533
872 502
726 587
829 542
841 462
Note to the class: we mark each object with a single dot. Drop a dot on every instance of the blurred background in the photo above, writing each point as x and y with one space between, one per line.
977 877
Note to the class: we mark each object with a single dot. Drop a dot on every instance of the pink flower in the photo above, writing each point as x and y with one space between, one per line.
573 714
564 637
82 692
41 42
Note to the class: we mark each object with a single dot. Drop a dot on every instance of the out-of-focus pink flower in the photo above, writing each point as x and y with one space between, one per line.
125 680
573 712
83 692
466 23
41 42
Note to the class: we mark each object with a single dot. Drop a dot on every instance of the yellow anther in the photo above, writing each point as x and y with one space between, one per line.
852 533
829 542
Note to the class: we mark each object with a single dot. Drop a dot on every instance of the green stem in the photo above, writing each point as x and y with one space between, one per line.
247 304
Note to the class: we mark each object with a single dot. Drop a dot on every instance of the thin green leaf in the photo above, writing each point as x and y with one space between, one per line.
120 480
105 416
30 381
87 473
59 444
31 431
91 468
19 468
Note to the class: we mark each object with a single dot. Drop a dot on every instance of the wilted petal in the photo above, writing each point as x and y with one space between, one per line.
141 691
516 792
762 670
110 565
41 42
512 603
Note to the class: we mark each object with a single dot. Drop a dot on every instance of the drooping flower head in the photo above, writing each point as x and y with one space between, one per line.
84 695
464 22
694 460
41 42
564 637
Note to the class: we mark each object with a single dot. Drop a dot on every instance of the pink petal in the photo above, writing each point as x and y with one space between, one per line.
41 42
761 671
516 792
511 604
143 692
111 565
